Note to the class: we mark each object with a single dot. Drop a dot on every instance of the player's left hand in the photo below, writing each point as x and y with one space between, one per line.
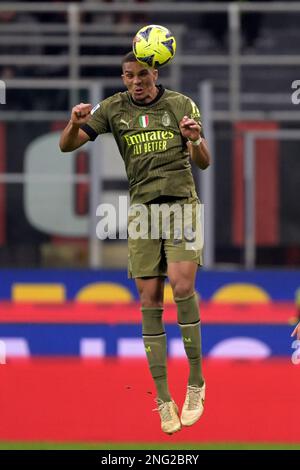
189 128
296 331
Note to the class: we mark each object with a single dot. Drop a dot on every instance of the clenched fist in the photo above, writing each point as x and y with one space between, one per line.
81 113
189 128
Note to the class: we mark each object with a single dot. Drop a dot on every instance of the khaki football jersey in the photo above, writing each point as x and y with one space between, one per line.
150 143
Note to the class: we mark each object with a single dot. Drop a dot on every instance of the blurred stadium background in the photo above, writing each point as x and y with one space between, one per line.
72 365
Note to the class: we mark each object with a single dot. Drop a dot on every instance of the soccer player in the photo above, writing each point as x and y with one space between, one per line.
296 331
157 131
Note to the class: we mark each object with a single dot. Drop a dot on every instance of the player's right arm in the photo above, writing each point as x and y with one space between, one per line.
72 136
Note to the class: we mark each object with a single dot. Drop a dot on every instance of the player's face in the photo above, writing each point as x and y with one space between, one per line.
140 81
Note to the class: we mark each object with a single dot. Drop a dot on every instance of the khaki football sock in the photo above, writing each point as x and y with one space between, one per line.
189 323
155 343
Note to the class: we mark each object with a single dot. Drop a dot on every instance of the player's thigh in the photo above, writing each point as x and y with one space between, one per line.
186 244
145 258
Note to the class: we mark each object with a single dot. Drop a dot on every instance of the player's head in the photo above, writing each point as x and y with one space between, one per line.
129 57
139 79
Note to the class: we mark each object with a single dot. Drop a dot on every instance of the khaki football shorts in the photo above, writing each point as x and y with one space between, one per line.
162 232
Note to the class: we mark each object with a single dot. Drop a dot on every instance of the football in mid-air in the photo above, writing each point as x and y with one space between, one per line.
154 45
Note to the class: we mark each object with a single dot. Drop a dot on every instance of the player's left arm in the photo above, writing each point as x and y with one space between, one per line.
197 145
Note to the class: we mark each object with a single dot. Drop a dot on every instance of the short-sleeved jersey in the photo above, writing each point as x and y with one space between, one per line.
150 143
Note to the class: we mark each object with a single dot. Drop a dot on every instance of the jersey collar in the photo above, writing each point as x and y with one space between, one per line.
161 91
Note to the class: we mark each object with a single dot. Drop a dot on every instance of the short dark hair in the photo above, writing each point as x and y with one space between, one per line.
129 57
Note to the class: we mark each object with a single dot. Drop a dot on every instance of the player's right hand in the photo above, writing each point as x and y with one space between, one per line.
81 113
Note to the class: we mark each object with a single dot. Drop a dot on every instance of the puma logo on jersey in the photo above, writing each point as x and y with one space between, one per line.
122 121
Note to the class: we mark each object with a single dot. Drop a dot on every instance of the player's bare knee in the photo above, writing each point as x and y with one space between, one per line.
182 290
150 299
